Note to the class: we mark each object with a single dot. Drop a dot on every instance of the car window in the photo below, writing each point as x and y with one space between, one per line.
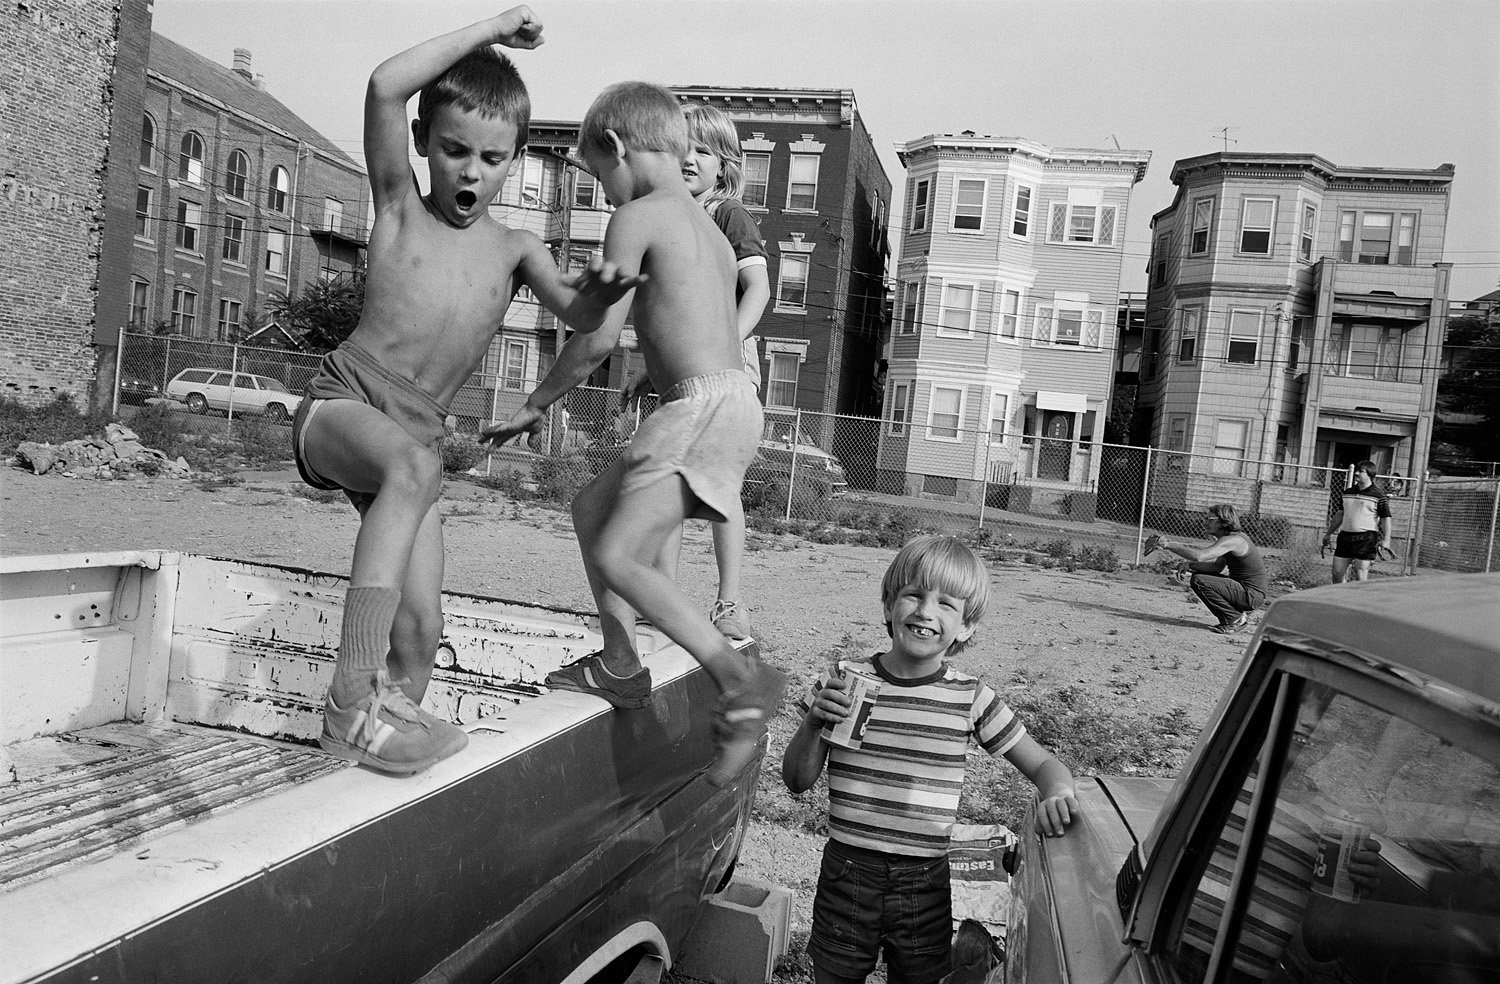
1425 906
271 385
219 379
242 381
194 375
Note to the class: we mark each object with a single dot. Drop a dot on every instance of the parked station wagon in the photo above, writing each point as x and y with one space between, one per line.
217 389
1360 713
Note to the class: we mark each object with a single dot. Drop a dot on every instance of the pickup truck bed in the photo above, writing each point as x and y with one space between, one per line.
167 816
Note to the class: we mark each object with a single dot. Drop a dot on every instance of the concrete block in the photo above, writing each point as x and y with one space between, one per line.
740 934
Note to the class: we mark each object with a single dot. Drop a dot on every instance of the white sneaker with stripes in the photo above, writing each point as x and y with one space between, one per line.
387 732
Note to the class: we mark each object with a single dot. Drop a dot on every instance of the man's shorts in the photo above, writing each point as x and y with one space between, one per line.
705 429
1357 546
351 373
870 901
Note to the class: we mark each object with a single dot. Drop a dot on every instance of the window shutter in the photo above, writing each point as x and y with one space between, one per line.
1057 228
1107 225
1093 326
1041 325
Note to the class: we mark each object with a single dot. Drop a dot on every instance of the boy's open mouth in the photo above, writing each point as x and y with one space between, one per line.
466 199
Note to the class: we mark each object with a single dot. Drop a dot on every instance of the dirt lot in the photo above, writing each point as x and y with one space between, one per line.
1136 643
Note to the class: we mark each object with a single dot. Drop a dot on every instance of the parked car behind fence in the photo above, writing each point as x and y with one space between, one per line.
202 390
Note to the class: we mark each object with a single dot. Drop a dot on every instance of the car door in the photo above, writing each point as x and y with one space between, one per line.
1279 878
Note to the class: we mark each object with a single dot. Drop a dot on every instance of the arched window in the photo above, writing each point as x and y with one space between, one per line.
190 160
148 142
236 173
281 187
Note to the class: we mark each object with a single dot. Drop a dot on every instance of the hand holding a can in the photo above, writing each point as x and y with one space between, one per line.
832 703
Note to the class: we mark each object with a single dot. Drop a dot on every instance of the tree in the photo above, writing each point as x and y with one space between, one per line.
1471 386
324 314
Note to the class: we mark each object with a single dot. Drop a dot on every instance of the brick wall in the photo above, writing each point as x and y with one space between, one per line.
60 56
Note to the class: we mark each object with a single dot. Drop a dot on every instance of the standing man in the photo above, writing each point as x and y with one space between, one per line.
1362 520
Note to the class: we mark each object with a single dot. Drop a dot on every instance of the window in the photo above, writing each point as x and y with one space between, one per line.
1177 440
1082 224
1347 222
999 406
968 205
143 204
1191 320
190 159
1159 260
585 187
757 180
1010 313
276 252
900 407
1257 217
1203 217
531 181
1020 213
1244 337
280 188
333 214
791 286
781 379
184 310
1230 440
236 174
513 371
802 183
148 143
1309 230
1375 238
919 207
1069 327
945 413
958 309
910 307
189 225
229 319
1370 351
233 246
140 303
1406 235
1294 348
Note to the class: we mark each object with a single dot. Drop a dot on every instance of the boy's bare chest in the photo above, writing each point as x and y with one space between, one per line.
445 267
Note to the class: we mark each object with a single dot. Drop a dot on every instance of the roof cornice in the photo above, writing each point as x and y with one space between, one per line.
971 145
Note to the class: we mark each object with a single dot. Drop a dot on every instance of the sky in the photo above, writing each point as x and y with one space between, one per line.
1361 83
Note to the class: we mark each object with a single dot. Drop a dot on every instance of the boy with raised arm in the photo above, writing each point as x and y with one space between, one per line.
440 275
689 457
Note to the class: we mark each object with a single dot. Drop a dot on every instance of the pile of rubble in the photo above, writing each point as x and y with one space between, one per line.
118 454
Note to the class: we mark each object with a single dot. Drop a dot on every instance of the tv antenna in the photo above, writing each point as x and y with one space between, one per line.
1223 134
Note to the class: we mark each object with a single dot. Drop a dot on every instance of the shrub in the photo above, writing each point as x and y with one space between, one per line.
55 422
260 443
1098 559
559 479
506 482
460 453
159 426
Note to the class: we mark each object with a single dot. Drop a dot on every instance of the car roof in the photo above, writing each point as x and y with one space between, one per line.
1445 627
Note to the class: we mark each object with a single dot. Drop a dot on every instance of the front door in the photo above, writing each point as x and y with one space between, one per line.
1056 445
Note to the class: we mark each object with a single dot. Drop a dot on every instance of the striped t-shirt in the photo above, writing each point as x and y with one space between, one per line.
1363 509
898 792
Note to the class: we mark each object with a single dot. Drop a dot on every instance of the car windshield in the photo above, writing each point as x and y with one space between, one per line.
1381 860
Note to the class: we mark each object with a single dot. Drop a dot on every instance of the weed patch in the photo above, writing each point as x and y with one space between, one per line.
57 421
1300 569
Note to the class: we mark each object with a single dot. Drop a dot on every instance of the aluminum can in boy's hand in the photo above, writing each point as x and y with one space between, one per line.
1338 838
863 691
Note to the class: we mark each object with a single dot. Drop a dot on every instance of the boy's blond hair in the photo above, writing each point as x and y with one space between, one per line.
940 563
645 117
484 82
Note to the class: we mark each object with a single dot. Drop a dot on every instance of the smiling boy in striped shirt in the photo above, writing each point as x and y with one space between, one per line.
892 802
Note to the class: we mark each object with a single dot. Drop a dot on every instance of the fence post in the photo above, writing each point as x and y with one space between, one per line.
791 478
1140 527
114 401
1414 548
234 370
489 458
1489 547
984 479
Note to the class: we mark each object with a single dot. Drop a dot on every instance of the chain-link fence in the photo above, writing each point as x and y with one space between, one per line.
858 471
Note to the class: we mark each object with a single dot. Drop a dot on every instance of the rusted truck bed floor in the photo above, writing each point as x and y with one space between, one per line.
90 793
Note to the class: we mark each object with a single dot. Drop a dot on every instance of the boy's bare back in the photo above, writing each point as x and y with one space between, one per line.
684 312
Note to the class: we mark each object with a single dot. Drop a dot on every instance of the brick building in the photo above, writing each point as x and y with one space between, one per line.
1295 315
73 75
235 200
1002 356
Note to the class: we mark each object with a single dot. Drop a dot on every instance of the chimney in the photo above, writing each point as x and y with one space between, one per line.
242 63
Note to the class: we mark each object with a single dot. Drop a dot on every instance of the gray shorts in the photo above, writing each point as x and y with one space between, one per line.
706 429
